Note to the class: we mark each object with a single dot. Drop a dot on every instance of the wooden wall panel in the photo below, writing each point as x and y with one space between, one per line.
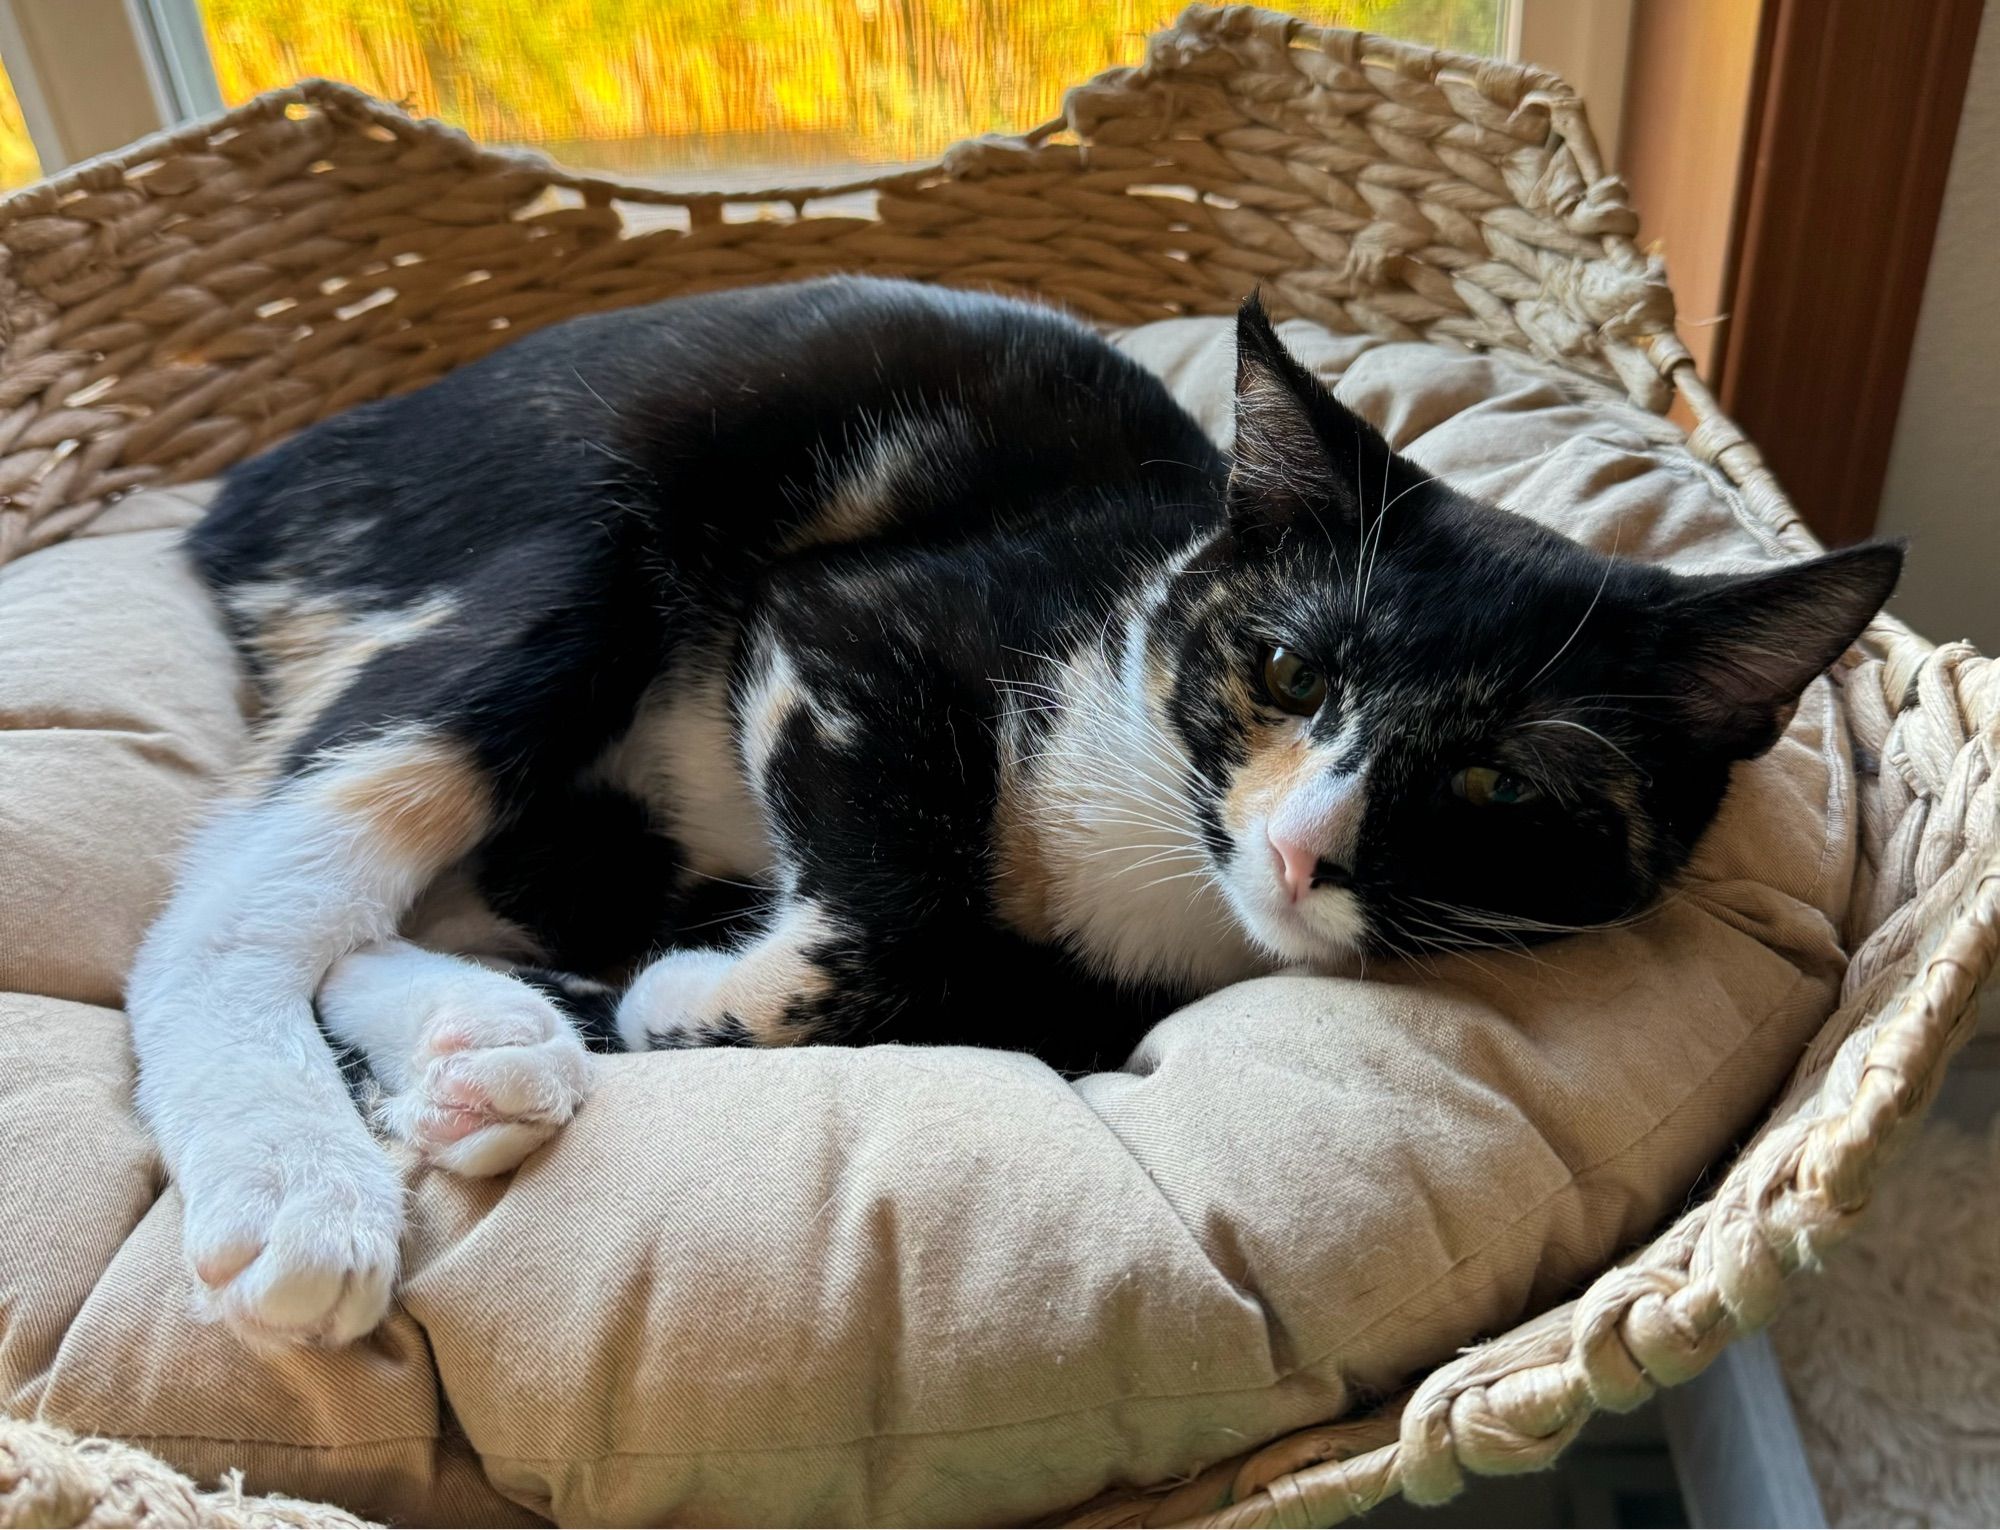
1852 141
1687 99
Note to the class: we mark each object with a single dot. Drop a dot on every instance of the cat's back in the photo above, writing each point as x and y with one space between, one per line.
626 484
746 422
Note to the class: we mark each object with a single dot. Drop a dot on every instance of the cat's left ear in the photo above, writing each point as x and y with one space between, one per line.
1299 451
1739 649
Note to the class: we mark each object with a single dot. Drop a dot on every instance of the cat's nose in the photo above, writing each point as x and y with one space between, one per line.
1316 831
1301 870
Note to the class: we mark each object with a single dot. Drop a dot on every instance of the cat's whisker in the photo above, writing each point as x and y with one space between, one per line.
1381 521
1605 579
1564 722
1360 533
1170 853
720 919
1457 947
1098 772
1493 920
1382 517
1104 850
1175 877
710 876
1192 869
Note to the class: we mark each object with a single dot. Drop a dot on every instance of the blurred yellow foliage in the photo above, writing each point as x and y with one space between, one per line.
645 85
694 82
18 164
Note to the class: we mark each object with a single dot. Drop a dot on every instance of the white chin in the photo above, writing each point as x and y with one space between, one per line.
1327 927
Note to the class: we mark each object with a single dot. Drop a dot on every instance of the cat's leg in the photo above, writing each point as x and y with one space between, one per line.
877 799
476 1068
293 1211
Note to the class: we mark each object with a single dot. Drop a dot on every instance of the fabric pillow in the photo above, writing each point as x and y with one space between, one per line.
902 1284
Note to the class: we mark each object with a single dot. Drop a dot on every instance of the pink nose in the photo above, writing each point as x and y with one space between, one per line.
1301 869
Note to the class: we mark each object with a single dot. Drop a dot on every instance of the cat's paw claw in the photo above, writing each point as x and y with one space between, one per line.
491 1086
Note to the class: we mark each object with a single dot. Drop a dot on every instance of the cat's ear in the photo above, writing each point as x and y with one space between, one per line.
1298 452
1740 648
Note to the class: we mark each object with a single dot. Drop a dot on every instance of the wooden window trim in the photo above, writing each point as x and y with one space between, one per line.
1852 117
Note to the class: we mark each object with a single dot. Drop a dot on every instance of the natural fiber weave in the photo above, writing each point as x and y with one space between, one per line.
167 310
50 1477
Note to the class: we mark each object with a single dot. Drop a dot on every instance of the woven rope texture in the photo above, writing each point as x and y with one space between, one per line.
50 1477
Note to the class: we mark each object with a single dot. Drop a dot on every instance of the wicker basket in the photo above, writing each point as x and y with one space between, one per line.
171 308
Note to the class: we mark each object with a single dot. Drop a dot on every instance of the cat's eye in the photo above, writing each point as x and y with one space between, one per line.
1293 682
1483 786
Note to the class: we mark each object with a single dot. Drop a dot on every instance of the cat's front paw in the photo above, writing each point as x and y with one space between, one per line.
293 1230
772 992
680 1001
496 1072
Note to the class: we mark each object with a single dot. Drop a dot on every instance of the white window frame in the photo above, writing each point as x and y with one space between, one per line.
1587 43
92 75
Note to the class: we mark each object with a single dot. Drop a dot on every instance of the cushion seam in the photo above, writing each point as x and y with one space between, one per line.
141 1436
1245 1293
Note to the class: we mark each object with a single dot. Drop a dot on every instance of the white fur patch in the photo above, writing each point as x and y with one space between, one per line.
773 694
700 763
904 452
671 997
686 992
1319 807
312 647
1105 798
679 757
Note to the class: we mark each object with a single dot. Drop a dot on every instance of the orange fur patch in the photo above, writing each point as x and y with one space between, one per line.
423 799
1278 764
311 648
1021 874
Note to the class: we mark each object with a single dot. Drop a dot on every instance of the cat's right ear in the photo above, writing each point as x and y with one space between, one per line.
1299 451
1739 649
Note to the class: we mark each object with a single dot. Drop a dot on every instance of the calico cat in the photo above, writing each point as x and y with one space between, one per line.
1022 712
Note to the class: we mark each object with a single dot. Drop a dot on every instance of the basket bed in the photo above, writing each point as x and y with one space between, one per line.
173 308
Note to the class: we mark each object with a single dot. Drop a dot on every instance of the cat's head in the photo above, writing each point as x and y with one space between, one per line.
1416 721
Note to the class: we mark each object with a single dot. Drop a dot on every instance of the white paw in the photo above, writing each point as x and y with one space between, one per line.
496 1072
674 1001
293 1233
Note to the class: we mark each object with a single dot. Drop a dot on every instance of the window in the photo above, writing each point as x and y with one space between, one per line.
743 89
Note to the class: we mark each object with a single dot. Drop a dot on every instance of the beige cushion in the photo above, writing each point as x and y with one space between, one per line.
120 701
902 1284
